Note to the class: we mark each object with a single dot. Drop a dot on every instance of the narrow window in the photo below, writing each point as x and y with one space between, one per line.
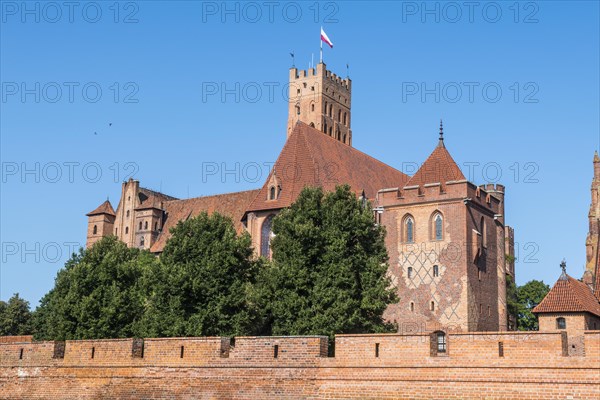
489 311
265 237
377 350
410 230
345 119
127 213
272 193
21 354
483 233
93 352
146 225
339 115
142 241
331 110
325 109
412 306
500 349
432 306
95 229
410 272
325 127
561 323
276 351
441 342
312 107
438 227
126 230
140 228
181 352
479 274
436 271
480 308
156 226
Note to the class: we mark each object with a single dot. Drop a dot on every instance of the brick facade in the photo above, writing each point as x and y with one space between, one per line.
500 365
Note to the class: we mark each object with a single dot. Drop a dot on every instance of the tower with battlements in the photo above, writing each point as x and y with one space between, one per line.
320 99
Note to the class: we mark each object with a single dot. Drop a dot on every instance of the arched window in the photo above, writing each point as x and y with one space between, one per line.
345 119
140 228
561 323
312 107
339 115
325 127
126 230
331 110
325 109
95 229
127 213
312 125
410 271
412 306
436 271
142 241
156 226
272 193
409 229
438 230
146 225
265 237
432 306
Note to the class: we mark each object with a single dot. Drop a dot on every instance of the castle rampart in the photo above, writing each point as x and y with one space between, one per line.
491 365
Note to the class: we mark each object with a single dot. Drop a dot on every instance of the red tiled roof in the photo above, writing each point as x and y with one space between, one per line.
439 167
569 295
152 199
104 208
230 204
312 158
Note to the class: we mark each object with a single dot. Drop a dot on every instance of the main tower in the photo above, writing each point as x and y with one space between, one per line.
321 99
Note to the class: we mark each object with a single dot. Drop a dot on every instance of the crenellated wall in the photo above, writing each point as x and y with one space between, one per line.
506 365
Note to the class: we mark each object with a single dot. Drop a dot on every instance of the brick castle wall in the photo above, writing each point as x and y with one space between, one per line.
504 365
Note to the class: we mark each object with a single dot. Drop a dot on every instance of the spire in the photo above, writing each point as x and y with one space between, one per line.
596 157
563 266
441 143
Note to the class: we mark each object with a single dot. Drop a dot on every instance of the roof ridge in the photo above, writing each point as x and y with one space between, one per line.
211 195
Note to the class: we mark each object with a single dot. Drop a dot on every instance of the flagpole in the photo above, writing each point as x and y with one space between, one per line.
321 41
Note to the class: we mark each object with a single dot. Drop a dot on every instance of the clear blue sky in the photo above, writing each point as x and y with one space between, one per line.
540 133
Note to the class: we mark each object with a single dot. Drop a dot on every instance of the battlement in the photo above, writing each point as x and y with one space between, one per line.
323 74
514 364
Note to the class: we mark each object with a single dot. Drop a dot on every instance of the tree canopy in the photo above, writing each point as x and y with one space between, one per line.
528 296
15 317
329 268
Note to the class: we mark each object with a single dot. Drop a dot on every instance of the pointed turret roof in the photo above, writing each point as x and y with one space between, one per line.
104 208
312 158
569 295
439 167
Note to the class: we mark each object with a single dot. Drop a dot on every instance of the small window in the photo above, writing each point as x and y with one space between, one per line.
140 228
483 232
479 274
126 230
441 342
345 118
500 349
127 213
156 226
93 352
95 229
412 306
377 350
312 107
325 108
181 351
436 271
432 307
331 110
128 198
276 351
339 115
410 272
146 225
561 323
21 354
142 241
272 193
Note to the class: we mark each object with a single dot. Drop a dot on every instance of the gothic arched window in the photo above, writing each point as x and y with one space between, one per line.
409 229
339 115
438 226
265 236
140 228
127 213
142 241
345 119
95 229
272 193
146 225
331 110
483 231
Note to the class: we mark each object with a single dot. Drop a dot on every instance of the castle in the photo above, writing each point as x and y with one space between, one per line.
446 237
450 253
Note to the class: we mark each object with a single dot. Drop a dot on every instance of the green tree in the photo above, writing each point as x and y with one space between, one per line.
98 294
202 285
15 317
329 267
512 303
529 296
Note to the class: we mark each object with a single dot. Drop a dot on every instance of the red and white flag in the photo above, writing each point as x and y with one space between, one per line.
325 38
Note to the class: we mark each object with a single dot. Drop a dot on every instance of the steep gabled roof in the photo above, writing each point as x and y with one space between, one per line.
104 208
312 158
230 204
439 167
569 295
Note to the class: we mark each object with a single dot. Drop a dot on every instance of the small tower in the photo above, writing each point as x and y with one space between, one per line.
321 99
100 223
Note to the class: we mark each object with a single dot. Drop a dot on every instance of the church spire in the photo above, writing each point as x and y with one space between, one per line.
441 143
